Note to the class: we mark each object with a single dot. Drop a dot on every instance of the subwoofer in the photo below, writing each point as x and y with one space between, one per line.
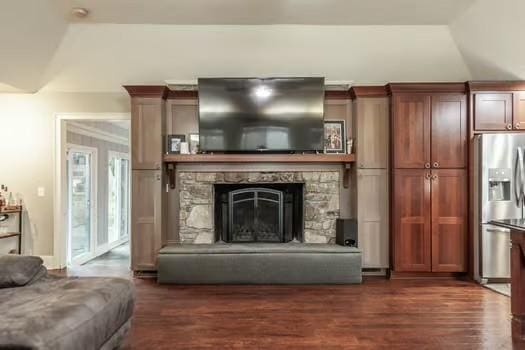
346 232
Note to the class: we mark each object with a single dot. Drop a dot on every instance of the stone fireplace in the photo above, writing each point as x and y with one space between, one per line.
258 206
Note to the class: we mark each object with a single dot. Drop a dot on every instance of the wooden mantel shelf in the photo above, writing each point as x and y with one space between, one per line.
259 158
172 159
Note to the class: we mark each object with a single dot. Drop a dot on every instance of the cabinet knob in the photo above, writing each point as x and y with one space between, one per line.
158 177
509 126
434 177
517 125
428 176
427 165
436 165
157 166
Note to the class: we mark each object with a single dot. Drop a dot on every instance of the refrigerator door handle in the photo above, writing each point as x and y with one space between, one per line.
518 177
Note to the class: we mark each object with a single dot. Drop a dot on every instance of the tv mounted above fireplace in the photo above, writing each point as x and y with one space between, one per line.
261 115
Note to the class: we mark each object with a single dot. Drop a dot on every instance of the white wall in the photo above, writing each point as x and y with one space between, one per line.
102 57
27 148
490 37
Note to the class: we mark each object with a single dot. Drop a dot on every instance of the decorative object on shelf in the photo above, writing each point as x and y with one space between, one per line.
334 136
349 146
184 148
173 143
194 143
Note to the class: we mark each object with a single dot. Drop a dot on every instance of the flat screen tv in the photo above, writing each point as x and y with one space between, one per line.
261 115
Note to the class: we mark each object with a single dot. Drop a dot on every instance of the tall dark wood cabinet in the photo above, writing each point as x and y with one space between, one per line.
429 177
148 195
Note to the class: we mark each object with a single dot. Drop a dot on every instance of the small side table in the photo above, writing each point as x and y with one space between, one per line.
14 211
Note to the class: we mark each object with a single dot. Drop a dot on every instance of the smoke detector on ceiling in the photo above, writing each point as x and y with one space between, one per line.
79 12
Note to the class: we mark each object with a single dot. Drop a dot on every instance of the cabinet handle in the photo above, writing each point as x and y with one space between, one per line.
158 177
427 165
509 126
434 177
436 165
428 176
517 125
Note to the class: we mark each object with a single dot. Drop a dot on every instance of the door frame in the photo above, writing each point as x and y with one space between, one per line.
93 205
121 155
59 181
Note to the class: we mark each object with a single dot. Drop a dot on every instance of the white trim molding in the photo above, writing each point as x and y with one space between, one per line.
60 200
86 130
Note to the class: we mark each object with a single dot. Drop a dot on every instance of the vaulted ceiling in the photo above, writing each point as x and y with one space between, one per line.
360 41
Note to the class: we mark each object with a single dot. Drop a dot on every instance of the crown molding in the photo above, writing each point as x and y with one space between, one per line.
150 91
394 88
368 91
512 85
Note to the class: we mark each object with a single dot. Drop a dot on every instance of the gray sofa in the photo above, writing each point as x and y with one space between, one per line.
56 313
259 263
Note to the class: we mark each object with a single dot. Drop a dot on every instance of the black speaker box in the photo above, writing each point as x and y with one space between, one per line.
346 232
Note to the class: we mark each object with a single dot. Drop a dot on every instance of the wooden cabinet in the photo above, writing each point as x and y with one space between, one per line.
146 229
411 131
519 110
429 131
449 131
430 220
372 128
411 220
493 111
449 220
147 131
372 216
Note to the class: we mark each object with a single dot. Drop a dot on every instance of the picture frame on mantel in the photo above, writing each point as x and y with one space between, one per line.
334 136
194 143
173 143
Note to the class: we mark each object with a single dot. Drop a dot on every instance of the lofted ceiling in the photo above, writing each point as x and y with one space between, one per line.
263 12
359 41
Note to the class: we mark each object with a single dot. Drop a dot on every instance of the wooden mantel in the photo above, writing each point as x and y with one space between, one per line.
259 158
172 159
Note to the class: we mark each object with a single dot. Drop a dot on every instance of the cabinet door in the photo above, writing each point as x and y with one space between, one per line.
411 131
372 139
372 217
449 220
493 111
146 229
146 133
411 220
449 131
519 110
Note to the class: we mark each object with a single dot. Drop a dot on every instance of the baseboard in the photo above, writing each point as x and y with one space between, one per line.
50 262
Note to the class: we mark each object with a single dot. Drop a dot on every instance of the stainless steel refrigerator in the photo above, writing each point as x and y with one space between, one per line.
501 195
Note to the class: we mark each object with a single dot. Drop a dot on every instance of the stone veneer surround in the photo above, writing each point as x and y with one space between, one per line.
321 201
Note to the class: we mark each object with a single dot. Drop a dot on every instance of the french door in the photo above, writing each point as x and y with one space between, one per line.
81 171
118 198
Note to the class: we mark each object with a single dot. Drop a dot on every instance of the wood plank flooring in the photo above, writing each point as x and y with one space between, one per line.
379 314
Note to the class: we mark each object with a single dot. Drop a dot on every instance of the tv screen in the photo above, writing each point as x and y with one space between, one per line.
255 115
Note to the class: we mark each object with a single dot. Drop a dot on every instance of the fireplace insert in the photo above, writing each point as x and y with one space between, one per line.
246 213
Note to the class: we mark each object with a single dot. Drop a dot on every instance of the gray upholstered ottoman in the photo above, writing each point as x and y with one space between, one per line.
259 263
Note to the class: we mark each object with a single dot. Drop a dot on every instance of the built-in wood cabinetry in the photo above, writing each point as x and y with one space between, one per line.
146 230
497 106
147 190
371 142
429 131
372 217
449 219
429 183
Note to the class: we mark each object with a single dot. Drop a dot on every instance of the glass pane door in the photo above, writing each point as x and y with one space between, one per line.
80 192
118 200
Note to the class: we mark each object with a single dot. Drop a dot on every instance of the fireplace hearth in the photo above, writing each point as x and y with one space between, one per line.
249 213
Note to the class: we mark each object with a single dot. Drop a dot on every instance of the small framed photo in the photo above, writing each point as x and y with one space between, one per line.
194 143
334 136
173 143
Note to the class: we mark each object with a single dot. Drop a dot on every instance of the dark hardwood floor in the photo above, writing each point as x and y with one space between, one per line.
379 314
